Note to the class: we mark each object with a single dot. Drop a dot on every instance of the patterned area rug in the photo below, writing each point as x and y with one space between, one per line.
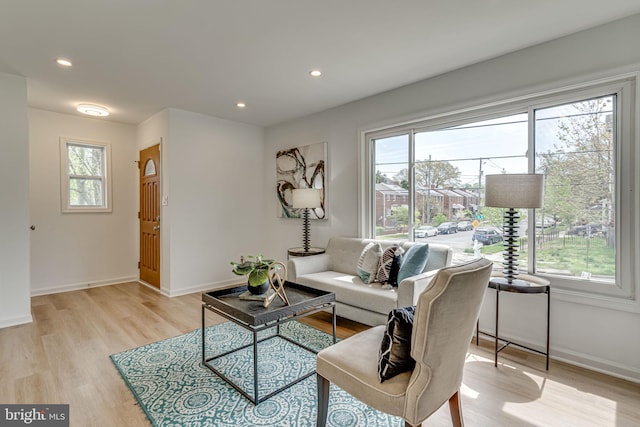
174 389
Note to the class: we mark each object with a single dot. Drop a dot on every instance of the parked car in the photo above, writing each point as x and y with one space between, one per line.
465 226
545 222
447 228
425 231
586 230
487 235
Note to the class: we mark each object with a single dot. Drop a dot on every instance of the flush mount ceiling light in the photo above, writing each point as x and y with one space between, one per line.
63 62
92 110
241 105
315 73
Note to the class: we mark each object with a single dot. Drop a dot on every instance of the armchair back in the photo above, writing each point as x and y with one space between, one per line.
444 322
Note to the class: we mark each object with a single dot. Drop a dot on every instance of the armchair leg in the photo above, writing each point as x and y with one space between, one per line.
323 400
456 410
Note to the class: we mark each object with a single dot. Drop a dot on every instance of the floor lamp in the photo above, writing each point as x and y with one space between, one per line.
512 191
306 198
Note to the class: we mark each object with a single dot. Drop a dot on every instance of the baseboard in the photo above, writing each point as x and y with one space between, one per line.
596 364
201 288
84 285
15 321
167 292
592 363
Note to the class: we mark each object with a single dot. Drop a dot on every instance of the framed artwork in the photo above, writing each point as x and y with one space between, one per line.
301 167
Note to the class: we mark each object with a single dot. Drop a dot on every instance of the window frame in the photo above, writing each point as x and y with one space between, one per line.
65 177
624 290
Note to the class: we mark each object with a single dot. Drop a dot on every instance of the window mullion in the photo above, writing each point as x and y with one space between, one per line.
531 213
412 184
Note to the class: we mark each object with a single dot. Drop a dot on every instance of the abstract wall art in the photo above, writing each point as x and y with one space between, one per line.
301 167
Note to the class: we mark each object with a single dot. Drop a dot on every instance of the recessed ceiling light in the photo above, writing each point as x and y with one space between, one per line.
241 105
315 73
93 110
64 62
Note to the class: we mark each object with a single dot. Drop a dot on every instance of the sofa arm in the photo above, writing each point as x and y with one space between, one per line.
300 266
411 287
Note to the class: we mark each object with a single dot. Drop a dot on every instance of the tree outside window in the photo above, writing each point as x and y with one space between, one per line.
85 177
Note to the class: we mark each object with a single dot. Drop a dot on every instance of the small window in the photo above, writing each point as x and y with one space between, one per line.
85 176
149 168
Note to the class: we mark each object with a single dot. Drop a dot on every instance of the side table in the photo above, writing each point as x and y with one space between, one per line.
295 252
526 284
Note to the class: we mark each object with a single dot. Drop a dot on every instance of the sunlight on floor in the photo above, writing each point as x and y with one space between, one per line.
529 396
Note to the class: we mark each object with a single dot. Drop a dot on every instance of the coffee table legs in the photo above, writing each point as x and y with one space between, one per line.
255 399
333 323
203 347
255 365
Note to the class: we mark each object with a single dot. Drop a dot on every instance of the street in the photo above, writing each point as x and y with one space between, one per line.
458 241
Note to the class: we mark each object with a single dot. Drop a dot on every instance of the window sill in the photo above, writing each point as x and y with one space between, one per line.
87 210
603 301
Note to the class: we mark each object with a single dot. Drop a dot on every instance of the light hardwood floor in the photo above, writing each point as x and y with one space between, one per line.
63 357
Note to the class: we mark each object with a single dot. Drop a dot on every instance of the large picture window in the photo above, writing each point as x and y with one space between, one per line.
426 183
85 177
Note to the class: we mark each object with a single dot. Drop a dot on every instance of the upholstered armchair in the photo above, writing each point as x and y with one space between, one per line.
445 317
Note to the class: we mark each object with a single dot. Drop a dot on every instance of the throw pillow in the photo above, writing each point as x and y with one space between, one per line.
368 262
395 267
413 261
384 268
395 349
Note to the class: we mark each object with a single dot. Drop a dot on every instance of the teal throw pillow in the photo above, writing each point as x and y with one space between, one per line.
413 261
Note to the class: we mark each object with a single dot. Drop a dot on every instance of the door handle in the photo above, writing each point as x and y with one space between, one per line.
156 228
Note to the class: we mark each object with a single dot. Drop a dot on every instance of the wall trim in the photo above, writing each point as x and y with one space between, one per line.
203 287
83 285
15 321
570 357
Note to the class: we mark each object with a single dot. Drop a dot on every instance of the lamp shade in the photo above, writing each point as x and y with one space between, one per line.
514 190
306 198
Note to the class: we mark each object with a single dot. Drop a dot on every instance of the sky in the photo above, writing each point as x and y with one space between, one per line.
481 148
495 145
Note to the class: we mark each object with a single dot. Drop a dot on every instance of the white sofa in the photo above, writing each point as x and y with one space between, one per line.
335 271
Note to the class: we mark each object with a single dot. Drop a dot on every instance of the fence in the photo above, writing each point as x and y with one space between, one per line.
544 238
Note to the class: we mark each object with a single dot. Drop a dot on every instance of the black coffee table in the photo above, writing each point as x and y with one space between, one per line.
253 316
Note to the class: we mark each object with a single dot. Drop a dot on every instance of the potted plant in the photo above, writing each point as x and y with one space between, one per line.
256 269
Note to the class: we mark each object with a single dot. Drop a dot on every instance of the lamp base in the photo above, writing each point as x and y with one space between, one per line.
510 252
305 230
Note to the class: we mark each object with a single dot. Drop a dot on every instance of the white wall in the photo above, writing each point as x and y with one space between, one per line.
15 301
600 338
212 178
78 250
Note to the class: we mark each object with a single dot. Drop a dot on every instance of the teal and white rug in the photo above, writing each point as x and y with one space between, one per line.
174 389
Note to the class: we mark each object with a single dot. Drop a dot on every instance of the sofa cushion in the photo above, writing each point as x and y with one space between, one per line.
344 252
395 348
350 290
368 262
414 261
